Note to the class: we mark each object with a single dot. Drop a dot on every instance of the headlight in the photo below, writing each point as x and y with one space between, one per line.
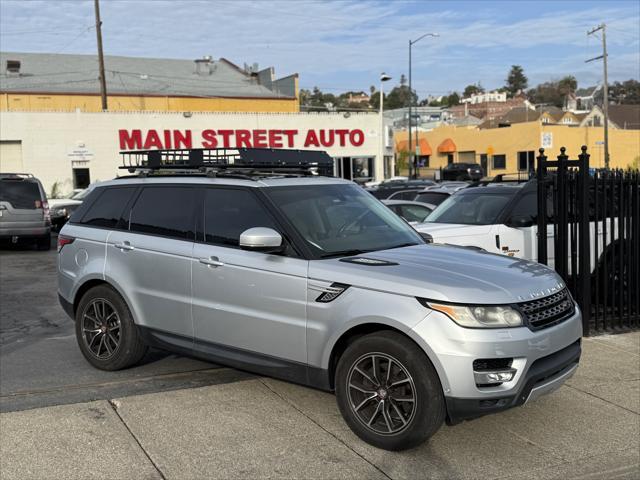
479 316
59 212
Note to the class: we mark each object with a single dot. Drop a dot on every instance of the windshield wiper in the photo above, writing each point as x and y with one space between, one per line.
344 253
410 244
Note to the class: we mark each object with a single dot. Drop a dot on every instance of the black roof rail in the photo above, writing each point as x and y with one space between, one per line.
243 161
521 177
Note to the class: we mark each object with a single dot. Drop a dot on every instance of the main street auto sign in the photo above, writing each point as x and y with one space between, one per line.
239 138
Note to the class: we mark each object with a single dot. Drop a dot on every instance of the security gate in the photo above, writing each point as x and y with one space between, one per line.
593 218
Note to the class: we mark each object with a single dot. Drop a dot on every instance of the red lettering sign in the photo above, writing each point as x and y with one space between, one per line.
258 138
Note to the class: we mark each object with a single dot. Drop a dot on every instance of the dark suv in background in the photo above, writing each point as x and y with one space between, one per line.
462 171
24 211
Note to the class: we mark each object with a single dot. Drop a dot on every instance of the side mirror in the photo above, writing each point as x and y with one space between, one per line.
520 222
261 239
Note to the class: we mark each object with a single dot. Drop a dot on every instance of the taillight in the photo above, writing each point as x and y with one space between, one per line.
62 241
46 213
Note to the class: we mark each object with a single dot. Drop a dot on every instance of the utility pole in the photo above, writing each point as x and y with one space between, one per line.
605 106
103 81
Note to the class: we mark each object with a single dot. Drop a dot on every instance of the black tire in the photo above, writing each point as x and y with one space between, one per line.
44 243
114 323
419 422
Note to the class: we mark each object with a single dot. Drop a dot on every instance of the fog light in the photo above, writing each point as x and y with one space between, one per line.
494 377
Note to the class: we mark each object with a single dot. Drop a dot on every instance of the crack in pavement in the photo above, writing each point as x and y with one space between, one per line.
603 399
114 406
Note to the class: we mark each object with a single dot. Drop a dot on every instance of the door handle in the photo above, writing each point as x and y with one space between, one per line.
211 262
124 246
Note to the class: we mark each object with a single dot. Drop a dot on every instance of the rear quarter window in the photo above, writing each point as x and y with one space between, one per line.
20 194
103 207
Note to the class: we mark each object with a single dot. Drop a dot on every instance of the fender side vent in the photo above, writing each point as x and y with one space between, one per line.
330 293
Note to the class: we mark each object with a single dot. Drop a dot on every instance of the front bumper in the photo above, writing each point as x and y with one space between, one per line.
544 376
543 360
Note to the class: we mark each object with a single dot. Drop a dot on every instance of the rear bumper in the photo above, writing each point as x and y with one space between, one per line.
36 231
544 376
66 306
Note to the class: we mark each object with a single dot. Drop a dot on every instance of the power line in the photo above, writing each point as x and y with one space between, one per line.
605 104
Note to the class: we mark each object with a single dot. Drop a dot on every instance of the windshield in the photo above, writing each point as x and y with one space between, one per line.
338 220
471 209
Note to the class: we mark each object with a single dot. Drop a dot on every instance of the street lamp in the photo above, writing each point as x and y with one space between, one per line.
413 162
383 78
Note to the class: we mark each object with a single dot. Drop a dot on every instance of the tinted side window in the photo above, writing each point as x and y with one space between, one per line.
228 213
165 210
106 209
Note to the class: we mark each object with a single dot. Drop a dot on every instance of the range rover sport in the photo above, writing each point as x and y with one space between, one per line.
311 279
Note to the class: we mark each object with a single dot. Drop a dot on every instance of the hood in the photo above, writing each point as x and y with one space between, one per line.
443 272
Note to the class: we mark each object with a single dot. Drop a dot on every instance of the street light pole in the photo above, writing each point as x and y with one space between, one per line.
413 163
383 78
605 104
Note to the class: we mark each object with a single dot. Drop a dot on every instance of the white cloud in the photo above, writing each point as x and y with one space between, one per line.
344 43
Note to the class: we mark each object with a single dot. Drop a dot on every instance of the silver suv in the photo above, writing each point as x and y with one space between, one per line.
312 280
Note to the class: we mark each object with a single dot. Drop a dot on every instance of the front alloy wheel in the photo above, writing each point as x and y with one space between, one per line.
382 394
388 391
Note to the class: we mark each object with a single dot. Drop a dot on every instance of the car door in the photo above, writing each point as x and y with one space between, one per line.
246 303
518 237
150 258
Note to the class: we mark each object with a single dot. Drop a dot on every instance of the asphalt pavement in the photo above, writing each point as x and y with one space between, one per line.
40 363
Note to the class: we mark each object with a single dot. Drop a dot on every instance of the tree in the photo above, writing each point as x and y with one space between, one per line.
516 80
451 100
567 85
472 90
399 97
627 92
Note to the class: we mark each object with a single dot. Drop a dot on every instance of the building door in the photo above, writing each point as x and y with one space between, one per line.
484 163
346 168
449 158
81 178
11 157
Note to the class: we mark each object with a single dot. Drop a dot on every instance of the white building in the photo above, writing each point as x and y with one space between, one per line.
486 97
73 149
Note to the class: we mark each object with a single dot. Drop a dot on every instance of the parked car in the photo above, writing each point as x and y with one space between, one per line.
452 185
462 171
502 218
386 189
312 280
62 208
412 212
24 211
433 196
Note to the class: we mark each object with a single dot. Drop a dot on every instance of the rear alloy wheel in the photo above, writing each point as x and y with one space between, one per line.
388 391
105 331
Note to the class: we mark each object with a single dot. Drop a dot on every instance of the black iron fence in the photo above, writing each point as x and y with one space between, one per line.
589 231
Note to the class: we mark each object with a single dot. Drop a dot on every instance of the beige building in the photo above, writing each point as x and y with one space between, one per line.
513 149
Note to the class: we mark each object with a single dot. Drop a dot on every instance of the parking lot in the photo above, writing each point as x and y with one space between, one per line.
174 417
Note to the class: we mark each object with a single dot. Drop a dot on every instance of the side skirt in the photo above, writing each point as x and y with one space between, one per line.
249 361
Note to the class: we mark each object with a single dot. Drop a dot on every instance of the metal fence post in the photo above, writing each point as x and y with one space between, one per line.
562 240
584 255
541 173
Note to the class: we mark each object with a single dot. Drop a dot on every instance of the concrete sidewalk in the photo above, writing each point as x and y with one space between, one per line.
263 428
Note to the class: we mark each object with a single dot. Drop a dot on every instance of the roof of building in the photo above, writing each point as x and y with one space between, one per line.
65 73
625 116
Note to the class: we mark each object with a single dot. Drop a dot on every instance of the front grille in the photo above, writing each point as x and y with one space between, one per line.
548 311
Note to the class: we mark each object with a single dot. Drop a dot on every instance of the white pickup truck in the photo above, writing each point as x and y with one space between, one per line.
502 218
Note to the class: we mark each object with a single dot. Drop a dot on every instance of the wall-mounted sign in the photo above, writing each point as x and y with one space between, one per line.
80 154
547 140
260 138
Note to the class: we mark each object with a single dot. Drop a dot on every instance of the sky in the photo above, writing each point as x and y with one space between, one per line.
345 45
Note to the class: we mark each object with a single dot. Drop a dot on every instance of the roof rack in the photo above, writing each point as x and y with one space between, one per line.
16 175
226 161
